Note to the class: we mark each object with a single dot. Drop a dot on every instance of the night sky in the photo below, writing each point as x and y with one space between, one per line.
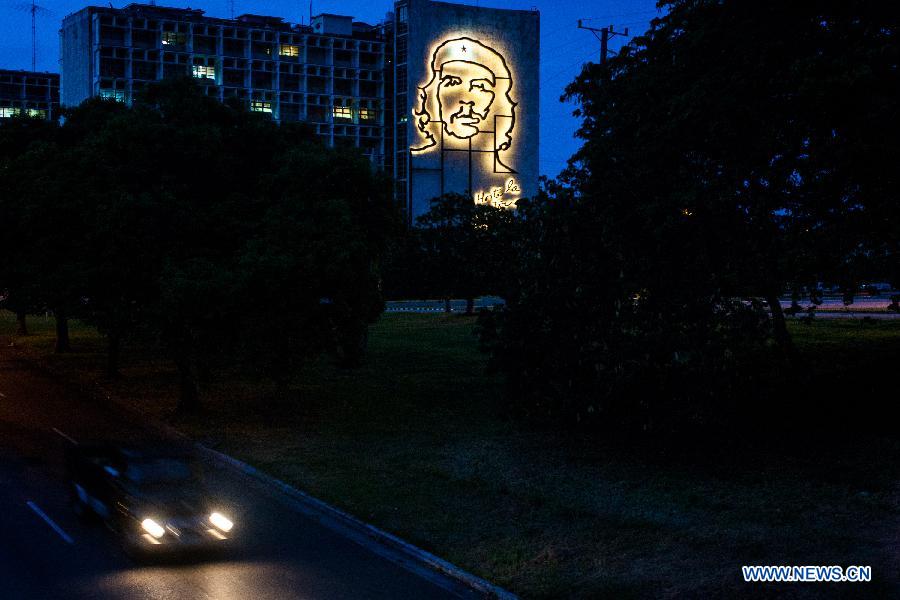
563 47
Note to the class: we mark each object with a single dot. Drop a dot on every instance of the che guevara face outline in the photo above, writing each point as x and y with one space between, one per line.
465 95
468 92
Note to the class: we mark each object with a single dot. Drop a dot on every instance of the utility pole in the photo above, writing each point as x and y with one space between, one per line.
603 34
33 38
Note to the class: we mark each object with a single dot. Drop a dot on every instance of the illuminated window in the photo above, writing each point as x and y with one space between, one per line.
173 38
10 111
290 50
117 95
261 106
367 114
203 72
342 112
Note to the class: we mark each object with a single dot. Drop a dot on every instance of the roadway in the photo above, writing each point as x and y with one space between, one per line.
47 552
832 307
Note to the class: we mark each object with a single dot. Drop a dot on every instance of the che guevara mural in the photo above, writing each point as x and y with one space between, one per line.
466 108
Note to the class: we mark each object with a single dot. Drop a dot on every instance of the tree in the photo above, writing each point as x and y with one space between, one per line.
109 169
23 145
464 248
765 125
199 228
312 261
49 227
225 238
723 159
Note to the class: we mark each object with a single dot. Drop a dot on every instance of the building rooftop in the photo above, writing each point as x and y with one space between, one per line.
359 29
27 72
135 6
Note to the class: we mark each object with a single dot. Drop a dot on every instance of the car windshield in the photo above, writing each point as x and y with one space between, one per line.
159 470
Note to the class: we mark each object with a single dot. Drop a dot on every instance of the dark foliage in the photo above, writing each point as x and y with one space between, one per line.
732 152
211 231
458 249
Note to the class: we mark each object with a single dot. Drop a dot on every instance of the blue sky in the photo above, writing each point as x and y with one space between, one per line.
564 48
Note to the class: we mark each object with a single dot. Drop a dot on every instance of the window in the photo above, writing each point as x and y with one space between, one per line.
8 111
173 38
367 114
290 50
204 45
343 87
261 50
117 95
232 77
161 470
143 70
342 112
203 72
261 106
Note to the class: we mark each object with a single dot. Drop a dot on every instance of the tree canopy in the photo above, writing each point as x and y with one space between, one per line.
208 230
458 249
734 151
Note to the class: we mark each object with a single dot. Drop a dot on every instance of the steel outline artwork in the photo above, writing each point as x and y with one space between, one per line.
483 84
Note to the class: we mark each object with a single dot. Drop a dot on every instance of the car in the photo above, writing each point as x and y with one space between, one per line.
153 497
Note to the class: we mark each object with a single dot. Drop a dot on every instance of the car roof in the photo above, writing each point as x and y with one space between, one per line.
148 451
143 450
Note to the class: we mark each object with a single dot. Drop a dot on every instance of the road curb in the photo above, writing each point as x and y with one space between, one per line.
367 531
399 551
367 535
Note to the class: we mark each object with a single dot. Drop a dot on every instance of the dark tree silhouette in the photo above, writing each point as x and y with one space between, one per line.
731 152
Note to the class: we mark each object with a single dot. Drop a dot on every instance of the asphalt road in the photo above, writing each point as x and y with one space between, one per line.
47 552
832 307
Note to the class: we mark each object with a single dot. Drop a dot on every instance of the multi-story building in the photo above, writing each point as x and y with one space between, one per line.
466 103
329 73
30 93
444 97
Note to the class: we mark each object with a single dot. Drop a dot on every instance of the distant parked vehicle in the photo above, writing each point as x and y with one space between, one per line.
875 289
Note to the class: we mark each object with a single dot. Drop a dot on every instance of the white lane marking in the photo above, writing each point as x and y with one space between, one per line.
50 522
65 436
2 395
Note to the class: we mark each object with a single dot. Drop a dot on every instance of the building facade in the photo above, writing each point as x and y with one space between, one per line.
466 99
30 93
444 97
329 73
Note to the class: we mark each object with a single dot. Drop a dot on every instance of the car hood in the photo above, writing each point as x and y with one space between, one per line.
173 500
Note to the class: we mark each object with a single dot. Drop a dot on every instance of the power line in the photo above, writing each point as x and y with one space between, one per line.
565 44
624 14
567 68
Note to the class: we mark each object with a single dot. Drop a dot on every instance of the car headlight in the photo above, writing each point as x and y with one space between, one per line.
221 521
153 528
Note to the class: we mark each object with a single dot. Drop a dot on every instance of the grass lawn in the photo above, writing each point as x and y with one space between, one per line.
415 442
